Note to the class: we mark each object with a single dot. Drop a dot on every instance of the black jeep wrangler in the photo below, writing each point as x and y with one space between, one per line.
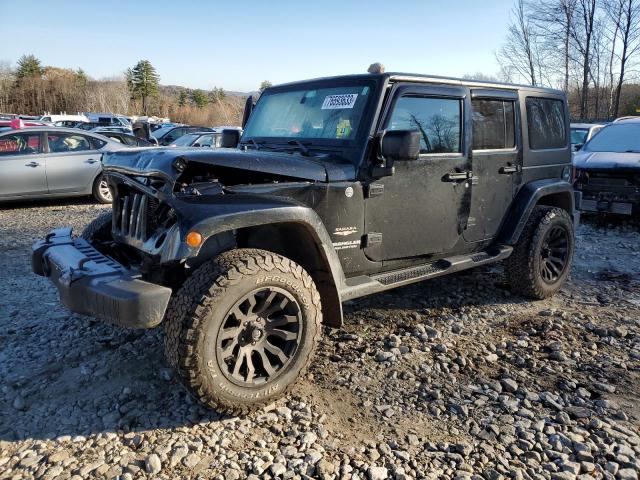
338 188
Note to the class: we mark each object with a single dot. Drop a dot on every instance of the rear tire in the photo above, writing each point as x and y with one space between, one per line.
101 190
541 260
242 329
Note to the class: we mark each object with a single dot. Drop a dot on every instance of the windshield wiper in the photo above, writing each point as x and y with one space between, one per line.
632 151
303 148
253 142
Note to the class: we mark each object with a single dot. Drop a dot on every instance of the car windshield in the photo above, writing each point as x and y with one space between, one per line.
326 113
616 138
186 140
578 135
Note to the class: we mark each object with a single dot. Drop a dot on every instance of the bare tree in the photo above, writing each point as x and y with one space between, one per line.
519 52
628 28
582 34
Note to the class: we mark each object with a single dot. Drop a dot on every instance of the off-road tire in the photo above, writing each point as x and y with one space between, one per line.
523 267
98 192
199 309
98 228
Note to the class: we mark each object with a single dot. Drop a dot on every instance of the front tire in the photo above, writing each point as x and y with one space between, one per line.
99 228
242 329
541 260
101 191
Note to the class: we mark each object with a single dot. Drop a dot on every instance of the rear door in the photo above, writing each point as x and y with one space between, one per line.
497 160
22 165
73 162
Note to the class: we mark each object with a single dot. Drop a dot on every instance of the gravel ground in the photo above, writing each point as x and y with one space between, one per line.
452 378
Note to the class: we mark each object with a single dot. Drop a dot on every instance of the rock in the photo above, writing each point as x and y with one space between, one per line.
509 385
377 473
323 467
278 469
627 474
313 456
491 358
152 464
19 403
191 460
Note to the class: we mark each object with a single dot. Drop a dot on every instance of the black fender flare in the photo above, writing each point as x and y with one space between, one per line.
273 214
554 192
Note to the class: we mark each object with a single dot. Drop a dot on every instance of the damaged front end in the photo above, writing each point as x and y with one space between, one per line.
159 196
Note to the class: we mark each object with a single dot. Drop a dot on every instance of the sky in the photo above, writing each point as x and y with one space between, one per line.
238 44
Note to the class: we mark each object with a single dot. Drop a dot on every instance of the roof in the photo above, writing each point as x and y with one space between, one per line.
587 125
635 119
433 79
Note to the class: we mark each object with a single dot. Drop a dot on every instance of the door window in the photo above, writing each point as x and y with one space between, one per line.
437 119
20 144
493 124
67 142
546 120
174 135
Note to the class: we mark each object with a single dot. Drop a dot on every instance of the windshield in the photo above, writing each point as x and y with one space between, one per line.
186 140
162 131
578 135
616 138
332 113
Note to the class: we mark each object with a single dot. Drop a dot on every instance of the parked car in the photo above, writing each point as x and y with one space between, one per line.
581 133
19 123
125 138
168 135
156 126
607 169
102 129
109 119
63 120
199 139
339 188
41 162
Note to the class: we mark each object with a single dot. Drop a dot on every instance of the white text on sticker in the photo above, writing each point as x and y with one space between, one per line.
332 102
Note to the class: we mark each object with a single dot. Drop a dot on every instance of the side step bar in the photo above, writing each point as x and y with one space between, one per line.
366 285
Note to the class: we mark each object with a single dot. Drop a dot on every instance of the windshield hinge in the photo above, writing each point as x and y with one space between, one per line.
371 239
374 190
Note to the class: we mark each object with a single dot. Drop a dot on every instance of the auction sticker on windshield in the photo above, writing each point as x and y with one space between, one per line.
332 102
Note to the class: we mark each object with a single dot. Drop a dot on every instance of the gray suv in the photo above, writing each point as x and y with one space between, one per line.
40 162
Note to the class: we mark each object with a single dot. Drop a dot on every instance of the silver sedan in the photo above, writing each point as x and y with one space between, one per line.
41 162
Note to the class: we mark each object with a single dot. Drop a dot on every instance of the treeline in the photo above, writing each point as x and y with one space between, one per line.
32 89
588 48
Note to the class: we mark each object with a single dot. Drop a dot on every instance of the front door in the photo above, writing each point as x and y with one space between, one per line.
497 160
22 166
422 208
72 162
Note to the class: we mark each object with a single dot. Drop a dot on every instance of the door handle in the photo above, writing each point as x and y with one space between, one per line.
509 169
457 176
91 160
32 164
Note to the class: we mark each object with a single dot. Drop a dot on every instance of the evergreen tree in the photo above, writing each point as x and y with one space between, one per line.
143 82
29 66
182 98
199 98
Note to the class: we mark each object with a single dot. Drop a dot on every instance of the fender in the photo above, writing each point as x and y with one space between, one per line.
239 214
553 192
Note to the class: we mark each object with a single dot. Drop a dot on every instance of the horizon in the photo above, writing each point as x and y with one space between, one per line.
192 60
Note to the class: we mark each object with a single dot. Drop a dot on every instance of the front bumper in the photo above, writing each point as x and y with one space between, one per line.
92 284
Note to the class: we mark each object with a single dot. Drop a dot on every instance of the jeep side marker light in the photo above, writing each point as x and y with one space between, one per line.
193 239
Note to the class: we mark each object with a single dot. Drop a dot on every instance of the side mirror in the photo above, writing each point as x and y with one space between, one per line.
578 146
398 145
196 144
230 138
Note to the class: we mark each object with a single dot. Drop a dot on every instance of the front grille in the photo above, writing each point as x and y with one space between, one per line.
131 219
